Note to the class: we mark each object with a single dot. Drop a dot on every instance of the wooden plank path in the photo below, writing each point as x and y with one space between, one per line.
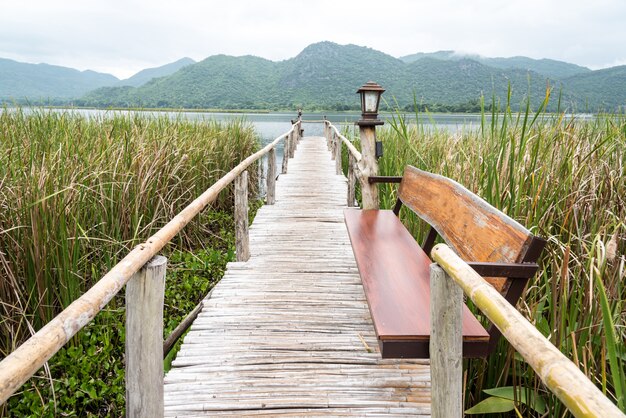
288 333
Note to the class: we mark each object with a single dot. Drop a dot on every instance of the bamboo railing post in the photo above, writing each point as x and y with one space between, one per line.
446 344
270 198
144 340
285 154
351 180
338 162
242 245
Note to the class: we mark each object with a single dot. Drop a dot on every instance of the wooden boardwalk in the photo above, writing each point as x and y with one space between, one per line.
288 333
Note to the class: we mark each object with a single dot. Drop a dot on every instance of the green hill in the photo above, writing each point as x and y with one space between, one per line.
600 89
323 76
20 81
143 76
547 67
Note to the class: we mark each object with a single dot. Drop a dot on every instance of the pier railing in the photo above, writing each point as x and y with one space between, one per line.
558 373
144 272
450 278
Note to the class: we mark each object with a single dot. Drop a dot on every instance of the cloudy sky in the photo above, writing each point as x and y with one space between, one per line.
124 36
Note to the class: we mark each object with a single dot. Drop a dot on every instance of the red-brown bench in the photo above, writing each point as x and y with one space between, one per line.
394 269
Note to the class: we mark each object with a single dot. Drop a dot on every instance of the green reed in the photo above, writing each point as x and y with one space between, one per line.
77 193
564 178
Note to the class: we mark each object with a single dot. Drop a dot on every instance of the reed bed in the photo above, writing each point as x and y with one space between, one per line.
565 179
77 193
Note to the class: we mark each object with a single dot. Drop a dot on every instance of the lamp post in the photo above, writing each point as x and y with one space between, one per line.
370 149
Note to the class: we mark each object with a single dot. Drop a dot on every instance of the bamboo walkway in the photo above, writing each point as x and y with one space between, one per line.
288 333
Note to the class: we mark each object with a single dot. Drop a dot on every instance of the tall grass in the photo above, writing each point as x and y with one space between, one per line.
77 193
565 179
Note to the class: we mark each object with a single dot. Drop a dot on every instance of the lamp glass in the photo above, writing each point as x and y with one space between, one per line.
371 102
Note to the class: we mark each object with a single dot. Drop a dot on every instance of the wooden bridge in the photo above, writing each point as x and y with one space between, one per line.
288 331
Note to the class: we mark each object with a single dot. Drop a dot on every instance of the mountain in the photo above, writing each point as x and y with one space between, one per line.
20 80
143 76
323 76
603 89
547 67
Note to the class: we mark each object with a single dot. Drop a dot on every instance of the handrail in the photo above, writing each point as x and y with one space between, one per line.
22 363
556 371
357 155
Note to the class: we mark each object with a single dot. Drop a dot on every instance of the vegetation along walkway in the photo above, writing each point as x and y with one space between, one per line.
289 331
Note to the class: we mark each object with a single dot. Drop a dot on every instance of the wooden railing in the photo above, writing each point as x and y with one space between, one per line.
450 278
144 271
357 166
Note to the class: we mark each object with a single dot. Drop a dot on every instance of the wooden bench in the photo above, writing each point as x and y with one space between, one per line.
394 269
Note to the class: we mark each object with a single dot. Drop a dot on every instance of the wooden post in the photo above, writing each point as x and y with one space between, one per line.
338 162
242 246
144 340
270 198
446 345
293 138
368 166
351 180
285 154
329 130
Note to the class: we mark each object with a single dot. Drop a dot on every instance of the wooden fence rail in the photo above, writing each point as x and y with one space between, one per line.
560 375
22 363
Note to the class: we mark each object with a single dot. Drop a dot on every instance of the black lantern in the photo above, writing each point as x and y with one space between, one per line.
370 99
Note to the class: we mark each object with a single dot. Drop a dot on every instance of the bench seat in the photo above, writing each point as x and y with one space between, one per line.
396 279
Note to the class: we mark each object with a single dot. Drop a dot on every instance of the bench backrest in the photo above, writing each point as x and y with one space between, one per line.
472 227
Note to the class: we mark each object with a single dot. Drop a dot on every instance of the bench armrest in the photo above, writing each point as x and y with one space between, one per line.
384 179
511 270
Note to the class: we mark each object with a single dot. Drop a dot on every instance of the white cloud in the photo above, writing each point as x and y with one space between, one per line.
124 36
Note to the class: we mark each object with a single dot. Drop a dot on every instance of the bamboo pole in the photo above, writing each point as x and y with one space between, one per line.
271 177
446 345
242 240
144 340
22 363
557 372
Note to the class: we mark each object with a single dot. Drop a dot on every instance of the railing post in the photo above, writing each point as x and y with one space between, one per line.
144 340
446 345
270 198
285 154
338 162
329 131
293 140
242 246
368 166
351 180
